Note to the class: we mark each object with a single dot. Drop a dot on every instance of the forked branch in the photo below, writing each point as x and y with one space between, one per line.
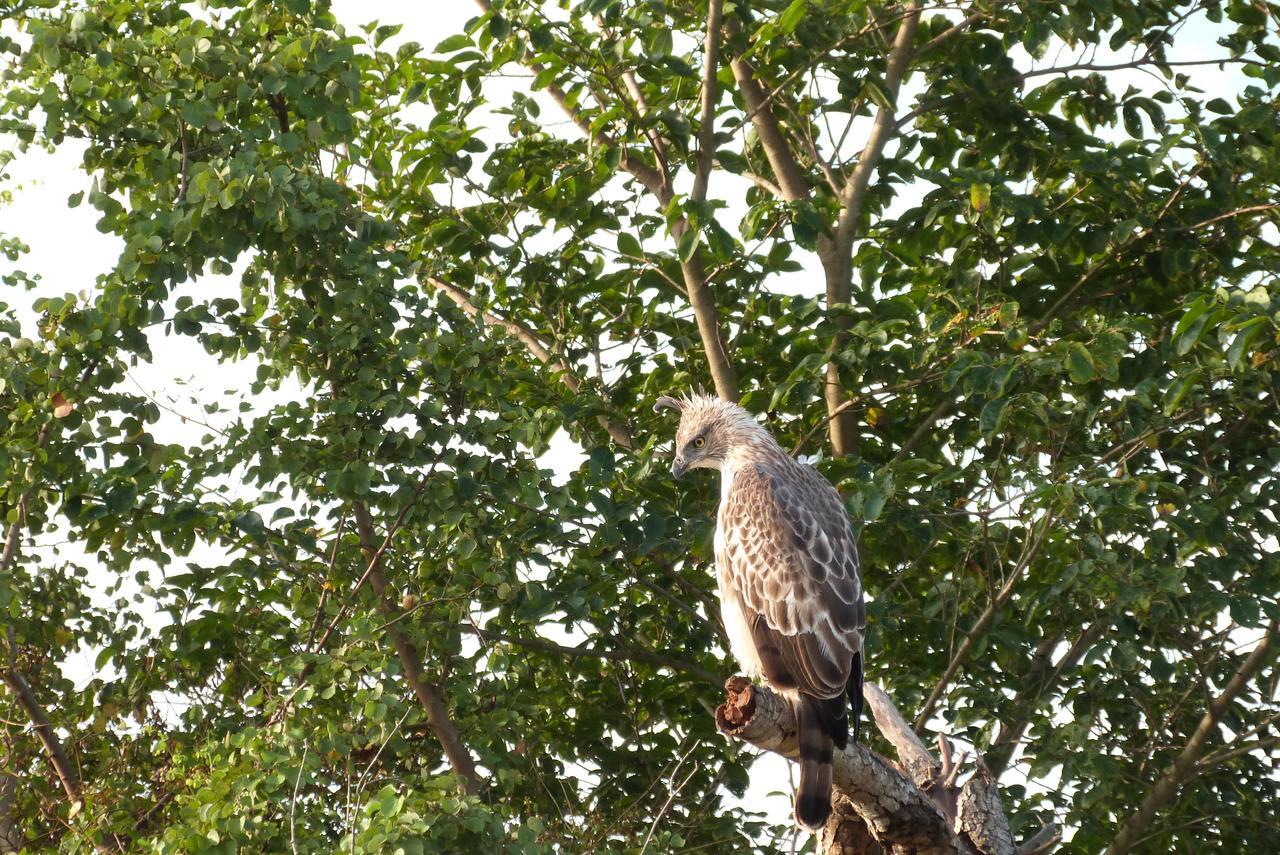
1186 764
921 811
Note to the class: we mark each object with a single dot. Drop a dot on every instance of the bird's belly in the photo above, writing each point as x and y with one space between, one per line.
741 643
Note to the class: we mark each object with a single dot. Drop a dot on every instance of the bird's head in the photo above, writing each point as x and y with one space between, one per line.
710 430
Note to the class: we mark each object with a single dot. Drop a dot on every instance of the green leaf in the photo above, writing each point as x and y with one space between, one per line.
1079 364
454 43
687 246
979 197
629 246
993 415
791 16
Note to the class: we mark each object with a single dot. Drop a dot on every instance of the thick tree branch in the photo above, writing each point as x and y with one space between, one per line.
837 252
710 94
786 169
617 431
854 196
912 753
890 811
705 313
893 807
428 695
1186 764
58 758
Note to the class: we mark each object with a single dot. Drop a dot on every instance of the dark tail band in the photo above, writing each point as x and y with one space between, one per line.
813 796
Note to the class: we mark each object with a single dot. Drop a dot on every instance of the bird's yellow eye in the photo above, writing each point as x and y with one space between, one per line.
699 442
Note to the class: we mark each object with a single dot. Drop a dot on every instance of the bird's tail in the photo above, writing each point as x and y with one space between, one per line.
813 797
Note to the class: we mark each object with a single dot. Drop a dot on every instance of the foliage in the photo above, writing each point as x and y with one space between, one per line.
1058 360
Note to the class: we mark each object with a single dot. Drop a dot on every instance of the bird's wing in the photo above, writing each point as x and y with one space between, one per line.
790 557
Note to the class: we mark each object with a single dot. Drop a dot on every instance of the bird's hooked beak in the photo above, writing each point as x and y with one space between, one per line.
678 467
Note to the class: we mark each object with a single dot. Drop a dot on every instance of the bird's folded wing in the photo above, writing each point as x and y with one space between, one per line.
790 557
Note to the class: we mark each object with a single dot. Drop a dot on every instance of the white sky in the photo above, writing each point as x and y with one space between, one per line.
68 253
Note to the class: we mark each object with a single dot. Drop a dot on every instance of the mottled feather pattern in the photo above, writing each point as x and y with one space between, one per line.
787 553
790 591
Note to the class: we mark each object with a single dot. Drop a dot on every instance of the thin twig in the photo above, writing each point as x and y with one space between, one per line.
293 805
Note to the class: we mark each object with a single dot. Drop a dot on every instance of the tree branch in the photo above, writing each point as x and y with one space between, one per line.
922 429
1185 765
929 106
428 694
1228 754
1011 732
707 317
13 677
891 805
984 621
1252 209
786 169
885 126
1043 840
11 837
912 753
707 127
694 271
617 431
58 758
837 253
949 33
896 813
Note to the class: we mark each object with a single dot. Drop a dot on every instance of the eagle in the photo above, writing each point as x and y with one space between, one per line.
790 592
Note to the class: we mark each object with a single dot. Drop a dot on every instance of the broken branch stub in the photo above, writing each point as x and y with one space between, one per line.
874 798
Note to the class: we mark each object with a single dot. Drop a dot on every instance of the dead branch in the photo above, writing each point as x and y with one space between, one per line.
889 811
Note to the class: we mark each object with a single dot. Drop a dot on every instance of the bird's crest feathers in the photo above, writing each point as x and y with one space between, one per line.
701 414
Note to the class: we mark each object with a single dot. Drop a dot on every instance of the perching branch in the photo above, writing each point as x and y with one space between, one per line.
1186 764
891 805
898 814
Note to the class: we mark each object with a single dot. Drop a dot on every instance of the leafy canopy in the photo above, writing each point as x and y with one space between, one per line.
1054 359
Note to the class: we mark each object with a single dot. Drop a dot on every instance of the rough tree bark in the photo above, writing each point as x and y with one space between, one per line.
912 806
11 838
